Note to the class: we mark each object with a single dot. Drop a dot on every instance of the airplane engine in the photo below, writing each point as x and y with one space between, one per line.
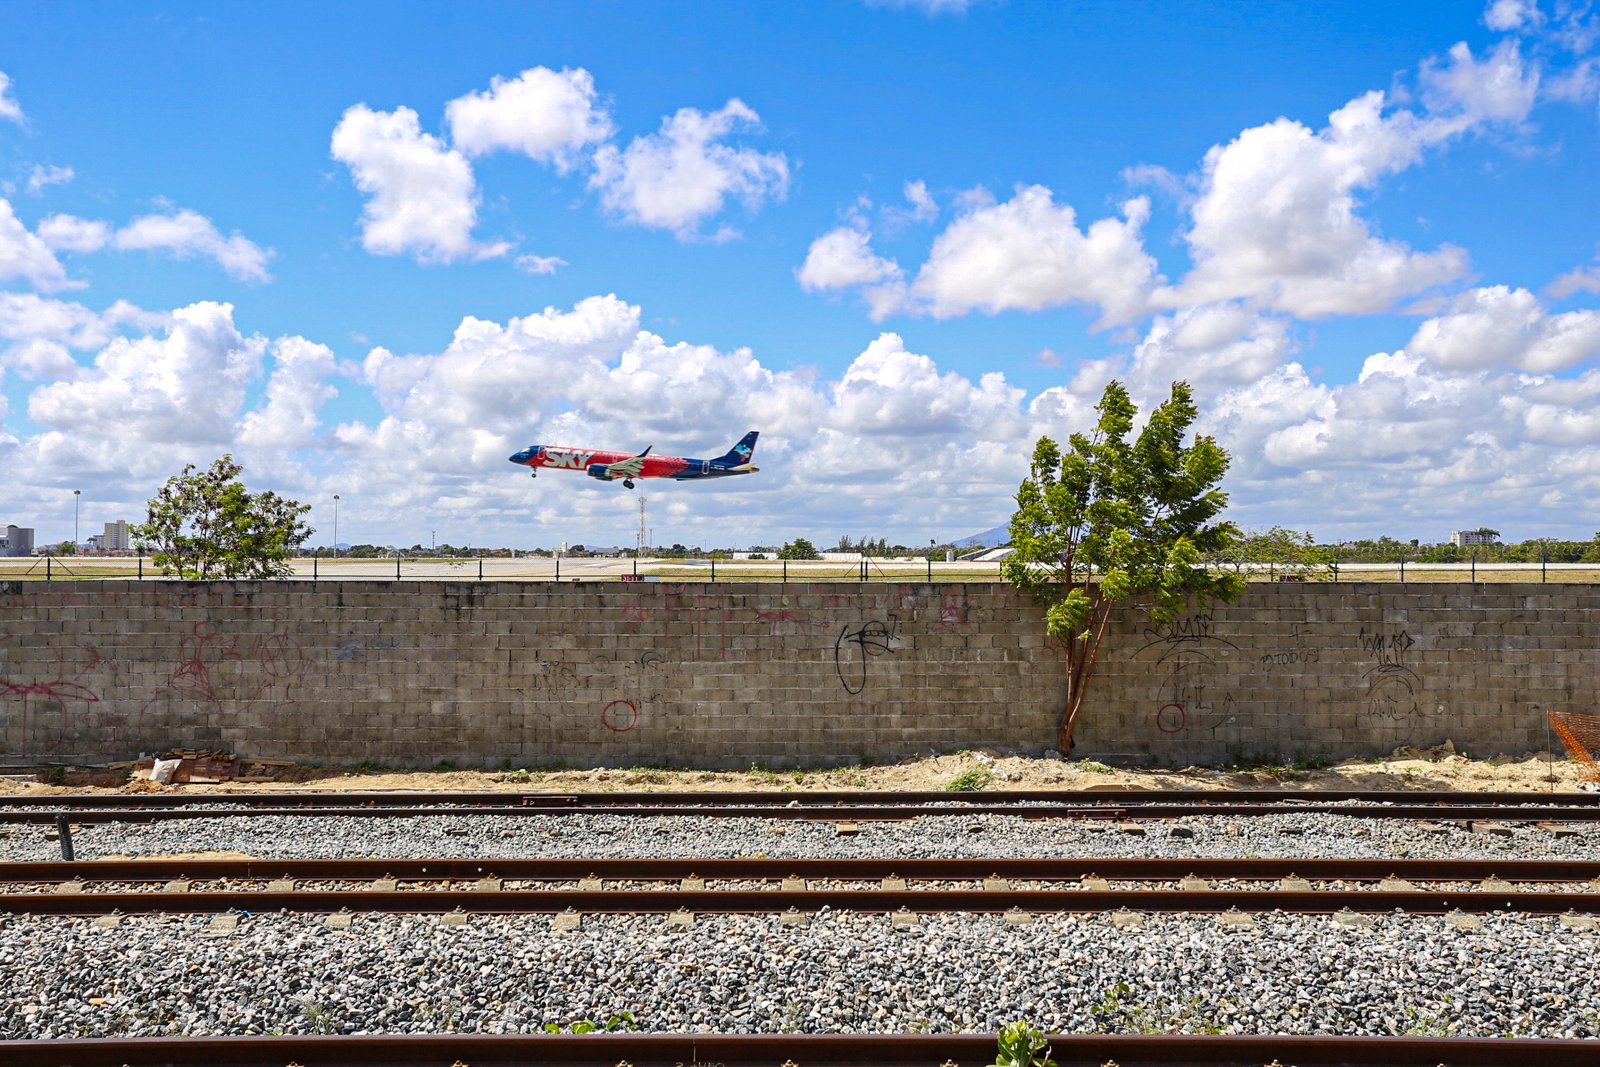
599 470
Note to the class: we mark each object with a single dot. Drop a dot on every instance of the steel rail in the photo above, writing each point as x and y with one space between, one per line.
871 813
766 902
776 798
911 870
803 1050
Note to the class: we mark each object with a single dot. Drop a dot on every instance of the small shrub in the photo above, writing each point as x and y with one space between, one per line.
973 780
1020 1045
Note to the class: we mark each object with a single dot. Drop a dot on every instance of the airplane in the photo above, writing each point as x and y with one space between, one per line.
614 466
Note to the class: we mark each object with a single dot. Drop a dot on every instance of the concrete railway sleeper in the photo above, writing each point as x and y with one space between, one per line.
801 1050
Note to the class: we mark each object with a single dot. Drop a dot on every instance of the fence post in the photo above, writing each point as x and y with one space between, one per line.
1336 570
785 572
313 568
930 570
47 561
141 568
397 568
713 568
636 566
1402 572
558 568
480 570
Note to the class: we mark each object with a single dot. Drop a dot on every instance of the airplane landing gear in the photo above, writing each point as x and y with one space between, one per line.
533 474
628 482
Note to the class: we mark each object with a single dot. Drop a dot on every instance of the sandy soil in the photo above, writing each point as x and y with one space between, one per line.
1436 769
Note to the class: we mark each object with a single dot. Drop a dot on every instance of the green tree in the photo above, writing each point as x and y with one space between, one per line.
1109 522
799 548
1279 552
206 525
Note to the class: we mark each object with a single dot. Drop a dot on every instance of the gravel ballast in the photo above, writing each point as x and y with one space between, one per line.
839 972
1414 975
977 836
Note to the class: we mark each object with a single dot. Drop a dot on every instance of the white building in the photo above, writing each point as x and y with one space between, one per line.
1463 538
115 539
19 541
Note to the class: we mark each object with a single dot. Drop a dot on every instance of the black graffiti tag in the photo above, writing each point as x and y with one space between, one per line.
853 648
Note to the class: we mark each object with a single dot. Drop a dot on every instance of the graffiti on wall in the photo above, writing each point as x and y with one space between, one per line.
66 688
855 648
1391 685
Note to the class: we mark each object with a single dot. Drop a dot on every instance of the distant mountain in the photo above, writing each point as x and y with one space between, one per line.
988 539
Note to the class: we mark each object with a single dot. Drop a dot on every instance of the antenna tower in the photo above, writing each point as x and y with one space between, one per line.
641 527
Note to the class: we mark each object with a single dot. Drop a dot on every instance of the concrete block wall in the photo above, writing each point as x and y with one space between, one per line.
782 674
530 673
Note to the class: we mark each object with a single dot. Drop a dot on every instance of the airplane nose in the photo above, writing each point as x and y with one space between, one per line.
521 457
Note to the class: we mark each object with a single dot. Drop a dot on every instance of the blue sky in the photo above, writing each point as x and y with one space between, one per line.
374 249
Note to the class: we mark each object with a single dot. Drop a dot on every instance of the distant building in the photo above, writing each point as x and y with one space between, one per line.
115 539
1463 538
19 541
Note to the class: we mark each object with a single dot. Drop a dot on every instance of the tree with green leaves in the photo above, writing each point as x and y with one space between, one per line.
1107 522
1281 552
205 525
799 548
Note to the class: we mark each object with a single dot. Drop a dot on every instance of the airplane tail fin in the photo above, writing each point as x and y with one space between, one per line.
740 453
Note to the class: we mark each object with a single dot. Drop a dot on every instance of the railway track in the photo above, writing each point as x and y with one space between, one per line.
811 1050
851 806
802 887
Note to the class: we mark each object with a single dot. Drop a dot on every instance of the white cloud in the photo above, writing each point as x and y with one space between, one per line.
1577 280
68 233
887 390
9 108
1028 254
843 257
152 393
43 176
923 208
423 199
539 264
27 319
24 256
1499 328
186 234
296 392
546 115
1275 219
1499 88
1213 347
680 177
1508 15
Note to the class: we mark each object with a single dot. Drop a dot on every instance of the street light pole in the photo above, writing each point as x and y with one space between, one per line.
336 526
77 494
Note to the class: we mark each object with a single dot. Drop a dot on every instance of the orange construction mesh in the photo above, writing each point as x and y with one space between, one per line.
1581 735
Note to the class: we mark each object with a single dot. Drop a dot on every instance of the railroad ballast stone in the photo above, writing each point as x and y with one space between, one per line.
600 836
840 972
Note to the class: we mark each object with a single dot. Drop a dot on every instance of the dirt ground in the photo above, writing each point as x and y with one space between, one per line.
1435 769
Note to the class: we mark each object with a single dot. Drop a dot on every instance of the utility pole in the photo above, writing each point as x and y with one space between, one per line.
77 494
639 554
336 526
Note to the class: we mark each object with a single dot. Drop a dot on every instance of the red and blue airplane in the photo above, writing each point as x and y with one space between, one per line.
614 466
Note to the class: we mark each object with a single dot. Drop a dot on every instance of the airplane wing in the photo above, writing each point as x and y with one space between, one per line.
628 468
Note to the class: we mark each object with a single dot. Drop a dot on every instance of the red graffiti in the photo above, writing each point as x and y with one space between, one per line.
63 689
1171 719
620 716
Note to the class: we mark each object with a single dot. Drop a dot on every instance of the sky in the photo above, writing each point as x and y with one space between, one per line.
373 249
